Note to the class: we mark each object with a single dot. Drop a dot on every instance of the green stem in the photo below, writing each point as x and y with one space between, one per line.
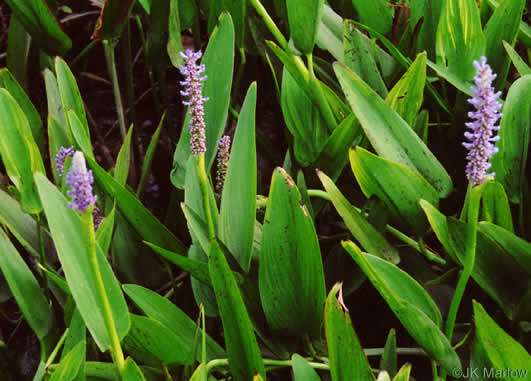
88 231
111 65
473 197
204 185
270 24
42 257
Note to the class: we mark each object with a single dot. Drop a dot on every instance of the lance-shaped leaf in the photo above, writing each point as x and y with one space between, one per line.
302 371
219 61
71 364
25 288
518 62
366 234
244 355
19 152
460 39
131 371
38 19
238 201
376 14
72 249
389 134
304 17
410 303
515 127
238 12
397 186
175 45
495 206
345 354
291 277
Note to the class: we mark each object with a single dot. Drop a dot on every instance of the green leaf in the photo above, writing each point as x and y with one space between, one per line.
238 12
148 158
429 12
70 95
219 61
71 364
149 339
157 35
509 162
376 14
238 202
77 333
460 39
397 186
406 96
72 249
18 51
25 288
518 62
524 34
105 230
303 120
411 305
495 206
121 169
345 354
19 152
304 17
144 222
244 355
166 313
388 361
302 371
389 134
502 25
359 58
79 131
502 351
17 92
38 19
366 234
454 80
175 45
53 96
57 138
112 20
131 371
291 284
403 373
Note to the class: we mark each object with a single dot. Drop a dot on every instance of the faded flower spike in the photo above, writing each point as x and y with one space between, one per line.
193 84
80 180
61 157
222 161
483 134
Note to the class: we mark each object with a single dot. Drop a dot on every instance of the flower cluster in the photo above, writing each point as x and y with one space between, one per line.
80 180
61 157
483 135
222 161
193 85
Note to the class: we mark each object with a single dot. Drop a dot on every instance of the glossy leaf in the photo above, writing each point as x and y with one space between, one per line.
406 96
244 355
72 249
302 371
25 288
238 201
411 305
515 126
219 61
71 364
80 134
460 39
19 152
388 361
168 314
502 26
38 19
376 14
389 134
362 230
397 186
121 169
502 351
495 206
404 373
131 371
345 354
291 285
304 17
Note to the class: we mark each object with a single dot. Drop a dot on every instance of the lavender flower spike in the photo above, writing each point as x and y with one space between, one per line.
80 180
193 86
483 134
61 157
222 161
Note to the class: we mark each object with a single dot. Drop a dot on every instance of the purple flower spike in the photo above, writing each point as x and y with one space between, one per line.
483 134
222 161
192 89
61 157
80 180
